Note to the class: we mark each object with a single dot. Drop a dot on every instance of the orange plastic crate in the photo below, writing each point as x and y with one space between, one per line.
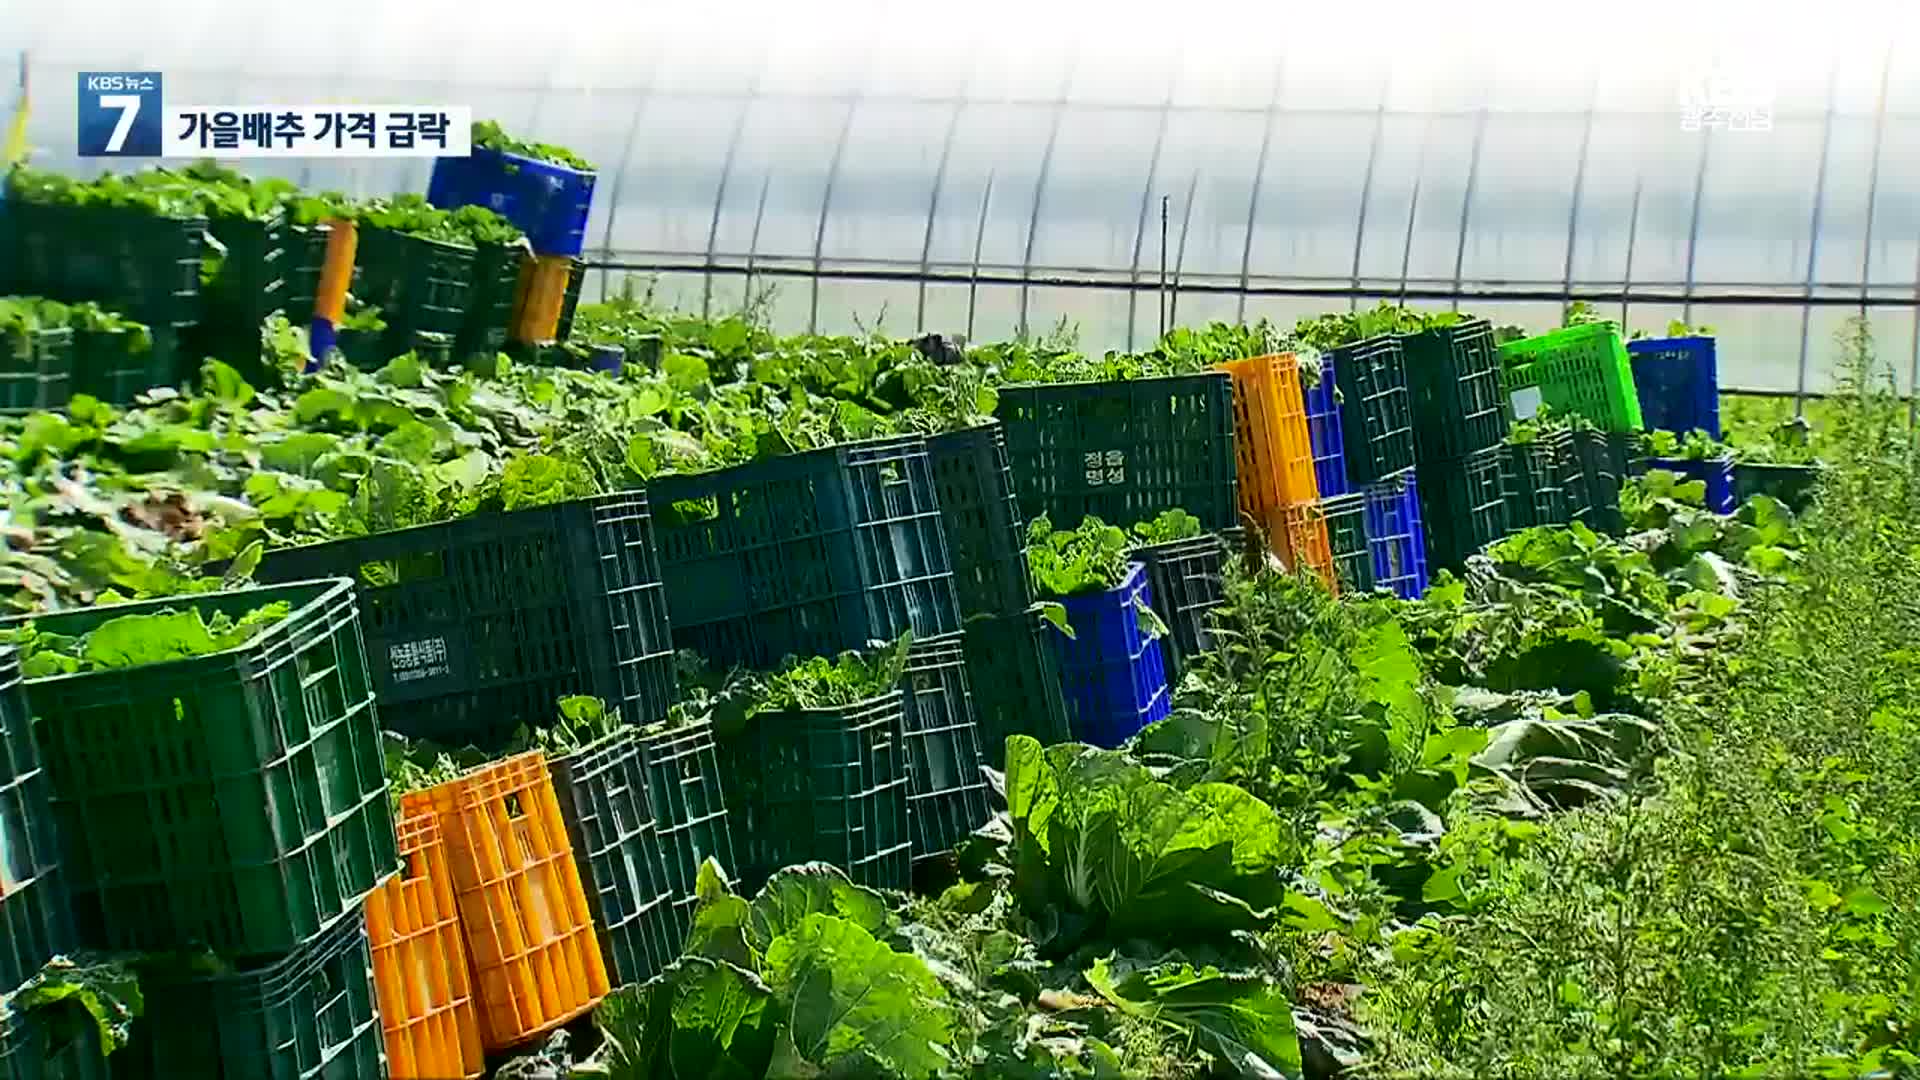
539 298
419 962
1270 436
535 957
1298 534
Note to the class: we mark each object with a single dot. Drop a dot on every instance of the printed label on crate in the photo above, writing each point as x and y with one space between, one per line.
1106 468
316 131
1526 403
413 661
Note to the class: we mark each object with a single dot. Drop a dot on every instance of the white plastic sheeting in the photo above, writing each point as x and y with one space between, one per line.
996 167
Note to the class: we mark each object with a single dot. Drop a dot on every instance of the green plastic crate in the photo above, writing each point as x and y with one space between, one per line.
1016 682
824 785
1794 485
477 626
570 300
602 792
1532 476
489 306
1605 460
1453 378
308 1015
36 370
60 1041
35 913
418 284
1186 583
134 262
689 799
1124 451
236 801
1462 507
433 350
117 366
1581 370
1376 408
248 285
306 257
805 554
946 792
1347 538
984 536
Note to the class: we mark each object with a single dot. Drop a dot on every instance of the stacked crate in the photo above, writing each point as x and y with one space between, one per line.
604 803
143 265
1279 493
534 285
1360 417
1603 461
1677 384
1579 370
823 784
477 626
986 540
35 919
805 555
524 917
1187 581
233 802
1124 451
1112 672
420 974
1537 476
689 801
1460 420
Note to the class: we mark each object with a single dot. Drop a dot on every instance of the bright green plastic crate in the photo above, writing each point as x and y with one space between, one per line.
1582 370
236 801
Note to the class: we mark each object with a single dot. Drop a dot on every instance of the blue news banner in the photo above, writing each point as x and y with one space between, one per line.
124 114
120 114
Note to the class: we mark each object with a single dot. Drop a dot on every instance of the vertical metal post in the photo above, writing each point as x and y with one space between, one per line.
826 206
1633 236
1146 200
979 243
1693 231
1813 242
1164 201
1466 203
1366 190
1180 253
1579 193
1253 199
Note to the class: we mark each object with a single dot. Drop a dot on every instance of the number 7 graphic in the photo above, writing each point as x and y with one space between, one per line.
129 106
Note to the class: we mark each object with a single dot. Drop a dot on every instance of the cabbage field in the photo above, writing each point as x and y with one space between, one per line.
1595 807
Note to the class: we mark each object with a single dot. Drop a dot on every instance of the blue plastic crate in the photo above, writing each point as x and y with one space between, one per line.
1718 475
1114 675
1679 384
1324 431
1396 537
548 202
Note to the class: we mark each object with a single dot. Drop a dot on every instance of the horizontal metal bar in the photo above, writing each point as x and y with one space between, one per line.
1414 290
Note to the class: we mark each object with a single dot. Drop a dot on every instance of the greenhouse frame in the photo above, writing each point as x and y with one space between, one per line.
992 187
